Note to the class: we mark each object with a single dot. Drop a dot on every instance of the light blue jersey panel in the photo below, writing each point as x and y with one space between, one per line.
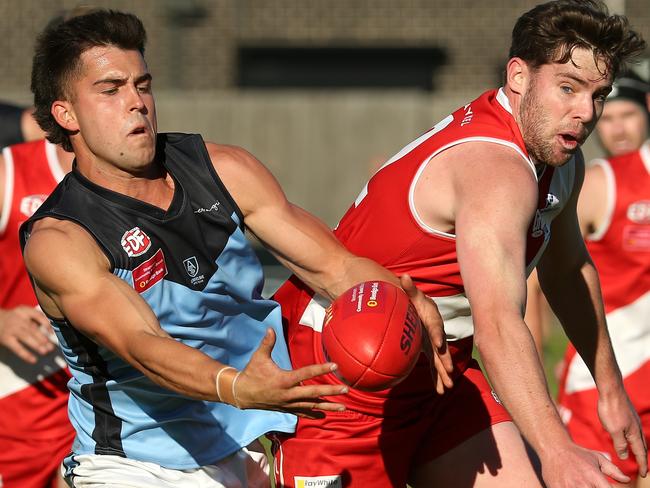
227 321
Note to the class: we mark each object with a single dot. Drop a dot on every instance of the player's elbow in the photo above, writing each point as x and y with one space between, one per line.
492 330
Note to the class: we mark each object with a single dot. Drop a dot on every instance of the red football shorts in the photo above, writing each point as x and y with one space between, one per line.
383 435
25 463
580 414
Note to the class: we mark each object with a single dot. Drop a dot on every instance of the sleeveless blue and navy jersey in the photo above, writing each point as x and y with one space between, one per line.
198 272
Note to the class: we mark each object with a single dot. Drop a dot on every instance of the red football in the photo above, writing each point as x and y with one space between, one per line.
373 334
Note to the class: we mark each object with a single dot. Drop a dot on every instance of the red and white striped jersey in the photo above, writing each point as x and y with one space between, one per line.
33 398
620 249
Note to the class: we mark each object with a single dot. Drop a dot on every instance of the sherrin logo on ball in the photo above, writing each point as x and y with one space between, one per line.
374 335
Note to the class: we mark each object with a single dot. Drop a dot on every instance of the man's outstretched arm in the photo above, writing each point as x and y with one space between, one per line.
79 286
492 212
307 247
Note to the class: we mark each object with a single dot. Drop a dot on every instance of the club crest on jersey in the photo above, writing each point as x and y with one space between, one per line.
30 204
191 266
135 242
639 212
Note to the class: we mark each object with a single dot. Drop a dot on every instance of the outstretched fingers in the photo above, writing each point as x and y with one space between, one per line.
637 443
610 469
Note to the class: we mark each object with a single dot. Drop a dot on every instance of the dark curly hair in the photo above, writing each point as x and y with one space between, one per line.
57 58
551 31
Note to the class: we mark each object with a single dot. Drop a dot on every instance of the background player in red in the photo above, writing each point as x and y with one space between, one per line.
35 433
468 209
614 213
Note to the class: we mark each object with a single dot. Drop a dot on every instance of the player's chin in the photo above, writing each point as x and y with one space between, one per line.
560 158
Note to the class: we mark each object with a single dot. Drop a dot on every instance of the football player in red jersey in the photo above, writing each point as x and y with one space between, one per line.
468 209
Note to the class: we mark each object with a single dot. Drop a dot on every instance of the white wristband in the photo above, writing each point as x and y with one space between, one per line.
217 381
234 394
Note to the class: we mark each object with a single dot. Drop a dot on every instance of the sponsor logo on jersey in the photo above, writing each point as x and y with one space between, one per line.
639 212
212 208
318 481
150 272
551 202
540 225
495 396
30 204
135 242
636 238
469 115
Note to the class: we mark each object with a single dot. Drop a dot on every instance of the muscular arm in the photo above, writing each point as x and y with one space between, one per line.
494 197
566 270
299 240
493 211
306 245
79 286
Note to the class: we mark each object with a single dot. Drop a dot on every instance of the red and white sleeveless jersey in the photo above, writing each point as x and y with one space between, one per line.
31 173
620 249
33 398
383 223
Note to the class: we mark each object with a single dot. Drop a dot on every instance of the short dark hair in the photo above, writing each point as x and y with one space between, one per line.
551 31
57 58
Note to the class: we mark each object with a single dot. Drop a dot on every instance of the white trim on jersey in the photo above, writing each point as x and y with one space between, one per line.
407 149
645 155
9 189
424 164
610 181
454 310
629 330
314 314
53 161
456 315
502 98
16 374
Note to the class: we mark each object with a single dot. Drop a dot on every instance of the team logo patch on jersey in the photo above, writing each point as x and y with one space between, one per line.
135 242
150 272
639 212
318 481
30 204
191 266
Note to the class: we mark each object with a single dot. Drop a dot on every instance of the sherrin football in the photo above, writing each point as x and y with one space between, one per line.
374 335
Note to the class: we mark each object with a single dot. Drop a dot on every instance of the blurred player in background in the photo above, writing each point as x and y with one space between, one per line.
35 433
468 209
614 214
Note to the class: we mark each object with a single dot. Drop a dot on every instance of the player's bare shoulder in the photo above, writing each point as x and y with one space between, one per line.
57 250
249 182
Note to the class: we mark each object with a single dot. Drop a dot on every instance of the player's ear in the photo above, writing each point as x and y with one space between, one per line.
647 101
64 115
517 75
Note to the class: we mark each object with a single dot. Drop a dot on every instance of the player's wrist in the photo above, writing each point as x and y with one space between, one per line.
225 383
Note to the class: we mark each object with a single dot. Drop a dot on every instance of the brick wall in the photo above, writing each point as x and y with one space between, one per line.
192 43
